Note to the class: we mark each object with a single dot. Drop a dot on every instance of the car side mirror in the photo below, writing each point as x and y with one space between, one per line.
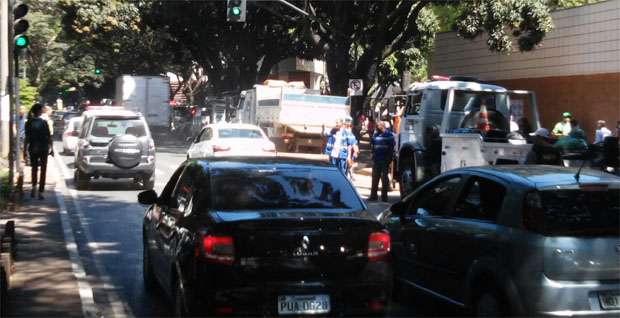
147 197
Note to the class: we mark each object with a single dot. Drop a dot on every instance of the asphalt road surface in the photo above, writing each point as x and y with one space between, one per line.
107 221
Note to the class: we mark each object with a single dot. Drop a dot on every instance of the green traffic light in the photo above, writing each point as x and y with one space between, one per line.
97 71
236 10
21 41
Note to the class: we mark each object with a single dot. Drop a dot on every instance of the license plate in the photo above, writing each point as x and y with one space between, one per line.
303 304
609 300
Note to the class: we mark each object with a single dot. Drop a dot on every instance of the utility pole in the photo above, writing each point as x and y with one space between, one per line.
4 79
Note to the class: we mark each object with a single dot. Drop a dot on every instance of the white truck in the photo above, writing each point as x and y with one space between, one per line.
290 114
440 129
148 95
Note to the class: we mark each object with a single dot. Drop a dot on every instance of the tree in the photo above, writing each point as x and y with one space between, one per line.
233 55
382 28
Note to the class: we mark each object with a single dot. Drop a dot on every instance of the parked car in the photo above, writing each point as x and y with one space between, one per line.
70 135
224 139
512 240
114 143
264 236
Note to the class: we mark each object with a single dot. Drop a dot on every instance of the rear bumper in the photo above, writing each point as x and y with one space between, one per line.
571 298
367 294
96 166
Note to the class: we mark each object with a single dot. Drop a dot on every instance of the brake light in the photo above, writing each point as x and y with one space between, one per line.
151 145
379 245
218 249
72 133
220 148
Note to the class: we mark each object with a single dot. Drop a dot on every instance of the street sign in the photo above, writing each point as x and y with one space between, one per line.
356 87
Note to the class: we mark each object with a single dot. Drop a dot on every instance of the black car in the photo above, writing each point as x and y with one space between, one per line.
265 236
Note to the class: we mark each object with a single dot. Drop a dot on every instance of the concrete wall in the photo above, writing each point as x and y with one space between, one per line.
576 69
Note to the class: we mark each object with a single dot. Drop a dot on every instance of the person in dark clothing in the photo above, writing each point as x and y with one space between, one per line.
382 145
38 144
543 152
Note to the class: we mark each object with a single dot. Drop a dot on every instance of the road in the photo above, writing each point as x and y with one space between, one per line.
107 220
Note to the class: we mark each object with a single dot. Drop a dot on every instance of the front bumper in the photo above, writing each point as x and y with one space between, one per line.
99 167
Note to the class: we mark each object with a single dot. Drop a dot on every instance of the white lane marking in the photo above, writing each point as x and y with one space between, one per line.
89 309
119 307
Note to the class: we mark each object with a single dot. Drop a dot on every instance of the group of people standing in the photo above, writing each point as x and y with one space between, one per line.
342 148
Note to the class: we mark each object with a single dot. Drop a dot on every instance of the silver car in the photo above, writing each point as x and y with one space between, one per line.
114 143
512 240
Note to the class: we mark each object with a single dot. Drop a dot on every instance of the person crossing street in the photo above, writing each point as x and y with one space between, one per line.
382 145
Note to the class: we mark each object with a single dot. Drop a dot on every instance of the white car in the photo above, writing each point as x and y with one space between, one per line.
221 140
70 135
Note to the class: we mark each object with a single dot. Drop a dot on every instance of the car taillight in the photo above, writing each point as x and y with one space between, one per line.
72 133
379 245
151 145
220 148
218 249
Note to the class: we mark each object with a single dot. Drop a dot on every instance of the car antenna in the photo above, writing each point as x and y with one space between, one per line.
583 163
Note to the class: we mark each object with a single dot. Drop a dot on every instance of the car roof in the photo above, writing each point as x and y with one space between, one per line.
256 162
111 113
544 176
78 118
473 86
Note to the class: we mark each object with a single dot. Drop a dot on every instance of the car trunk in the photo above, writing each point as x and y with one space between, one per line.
302 248
243 146
582 231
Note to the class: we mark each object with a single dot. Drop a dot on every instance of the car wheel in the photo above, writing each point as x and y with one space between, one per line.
147 270
80 179
489 304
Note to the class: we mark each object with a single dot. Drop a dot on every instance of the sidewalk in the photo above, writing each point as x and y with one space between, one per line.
43 284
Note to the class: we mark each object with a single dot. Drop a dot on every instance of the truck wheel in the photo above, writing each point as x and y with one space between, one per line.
407 180
80 179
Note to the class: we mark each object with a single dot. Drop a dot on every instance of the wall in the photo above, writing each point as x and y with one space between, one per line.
588 97
576 68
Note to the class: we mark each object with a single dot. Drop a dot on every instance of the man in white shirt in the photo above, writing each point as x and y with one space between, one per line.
601 132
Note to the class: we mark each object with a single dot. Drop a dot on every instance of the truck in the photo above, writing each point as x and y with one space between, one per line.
148 95
291 115
456 122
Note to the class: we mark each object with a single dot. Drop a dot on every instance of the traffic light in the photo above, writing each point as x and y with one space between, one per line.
20 25
97 71
235 10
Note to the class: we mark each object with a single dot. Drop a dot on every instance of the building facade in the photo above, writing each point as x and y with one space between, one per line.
576 68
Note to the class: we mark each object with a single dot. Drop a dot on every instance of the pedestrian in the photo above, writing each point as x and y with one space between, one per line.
342 149
543 152
563 127
38 143
601 133
352 140
382 145
330 139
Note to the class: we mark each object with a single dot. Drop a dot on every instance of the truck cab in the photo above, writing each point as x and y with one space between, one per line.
456 122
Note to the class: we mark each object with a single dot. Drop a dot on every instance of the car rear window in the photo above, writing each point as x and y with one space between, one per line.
574 212
112 127
243 189
239 133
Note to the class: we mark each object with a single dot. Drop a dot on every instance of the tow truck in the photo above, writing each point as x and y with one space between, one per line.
452 122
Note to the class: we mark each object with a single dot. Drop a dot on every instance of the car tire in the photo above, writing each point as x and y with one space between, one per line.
148 182
80 179
489 304
148 277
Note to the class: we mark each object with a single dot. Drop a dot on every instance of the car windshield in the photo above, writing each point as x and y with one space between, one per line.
238 189
112 127
239 133
575 212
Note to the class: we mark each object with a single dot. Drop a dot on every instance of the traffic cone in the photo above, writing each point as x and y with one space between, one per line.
483 119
